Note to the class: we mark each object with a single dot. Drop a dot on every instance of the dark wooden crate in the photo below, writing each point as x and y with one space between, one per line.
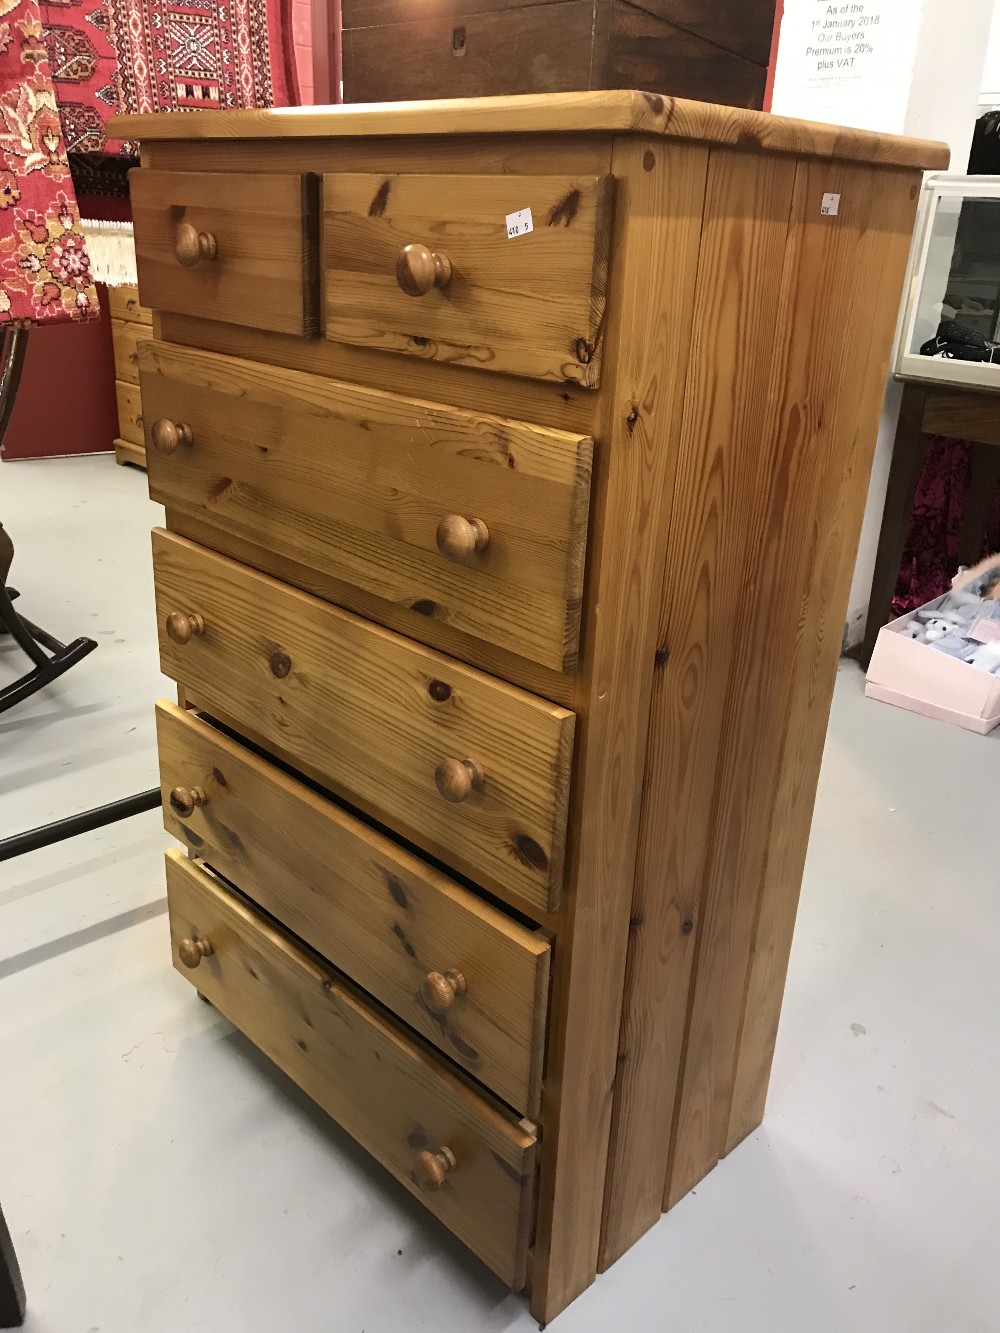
713 50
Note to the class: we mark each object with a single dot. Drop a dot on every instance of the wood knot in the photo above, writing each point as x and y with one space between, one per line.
632 419
648 160
280 664
425 607
655 103
439 691
687 927
660 656
377 206
584 351
566 210
529 852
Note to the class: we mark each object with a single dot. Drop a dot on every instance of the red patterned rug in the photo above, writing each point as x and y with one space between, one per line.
174 56
84 68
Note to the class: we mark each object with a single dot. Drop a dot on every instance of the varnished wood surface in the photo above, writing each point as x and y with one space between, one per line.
625 112
962 414
414 624
847 375
264 224
127 452
529 305
130 421
656 244
385 1090
376 714
381 915
745 230
126 335
535 48
367 511
568 407
124 303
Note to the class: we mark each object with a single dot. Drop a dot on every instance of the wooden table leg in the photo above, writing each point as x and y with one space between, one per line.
984 477
904 473
11 1286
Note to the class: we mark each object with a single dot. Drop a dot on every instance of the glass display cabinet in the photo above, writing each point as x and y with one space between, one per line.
950 325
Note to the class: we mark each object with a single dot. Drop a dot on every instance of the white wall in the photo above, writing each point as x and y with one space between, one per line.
923 78
990 93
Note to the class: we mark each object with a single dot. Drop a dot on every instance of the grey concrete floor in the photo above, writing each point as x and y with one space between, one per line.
159 1175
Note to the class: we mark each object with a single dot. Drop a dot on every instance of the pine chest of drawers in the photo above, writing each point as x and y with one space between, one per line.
514 454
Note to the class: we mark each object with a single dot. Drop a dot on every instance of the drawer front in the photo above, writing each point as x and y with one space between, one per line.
124 303
471 769
478 521
126 335
237 247
466 1161
470 980
129 412
424 265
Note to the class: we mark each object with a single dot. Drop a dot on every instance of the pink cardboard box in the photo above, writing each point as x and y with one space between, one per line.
916 676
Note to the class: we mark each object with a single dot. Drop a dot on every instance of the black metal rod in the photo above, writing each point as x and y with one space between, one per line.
85 822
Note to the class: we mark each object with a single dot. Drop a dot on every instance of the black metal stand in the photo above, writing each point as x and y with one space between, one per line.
85 822
50 657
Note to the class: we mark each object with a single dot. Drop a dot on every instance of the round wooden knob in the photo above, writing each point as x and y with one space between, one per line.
169 435
433 1167
458 538
440 988
419 270
183 800
191 246
181 625
457 778
191 952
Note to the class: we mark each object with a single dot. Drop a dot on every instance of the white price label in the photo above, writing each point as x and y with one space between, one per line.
519 223
830 206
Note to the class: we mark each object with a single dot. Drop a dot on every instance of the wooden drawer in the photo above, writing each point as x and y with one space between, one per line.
126 335
402 1105
379 719
389 507
129 412
124 303
532 305
236 246
468 978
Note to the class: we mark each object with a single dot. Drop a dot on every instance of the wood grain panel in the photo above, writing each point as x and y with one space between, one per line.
264 224
414 624
377 715
124 303
130 424
354 483
540 48
648 50
391 1096
532 305
564 406
126 452
376 13
657 227
617 111
962 414
846 375
713 509
743 26
384 917
126 335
